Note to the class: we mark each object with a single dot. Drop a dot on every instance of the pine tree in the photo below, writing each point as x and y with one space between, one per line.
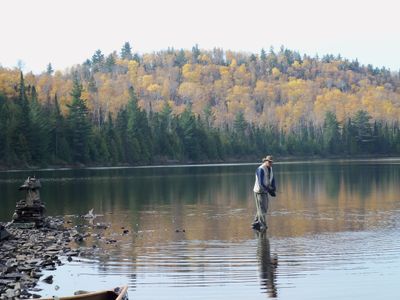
97 61
331 134
139 133
111 140
239 134
59 147
126 51
121 134
180 58
23 133
263 55
9 122
363 130
187 133
49 69
109 64
195 54
40 130
3 118
79 125
162 130
349 141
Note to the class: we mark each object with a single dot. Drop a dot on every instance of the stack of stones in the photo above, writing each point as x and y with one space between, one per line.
29 212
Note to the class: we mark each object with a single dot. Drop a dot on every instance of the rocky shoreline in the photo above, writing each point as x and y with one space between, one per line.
27 252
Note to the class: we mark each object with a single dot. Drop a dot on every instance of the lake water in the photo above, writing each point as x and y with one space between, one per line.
334 230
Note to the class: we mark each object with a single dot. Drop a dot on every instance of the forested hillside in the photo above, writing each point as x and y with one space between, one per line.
198 105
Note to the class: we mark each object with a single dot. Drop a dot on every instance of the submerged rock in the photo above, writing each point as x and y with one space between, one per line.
48 279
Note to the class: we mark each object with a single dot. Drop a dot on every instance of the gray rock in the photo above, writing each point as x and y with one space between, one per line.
10 293
48 279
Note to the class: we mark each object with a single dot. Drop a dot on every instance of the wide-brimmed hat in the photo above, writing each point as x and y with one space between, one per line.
268 158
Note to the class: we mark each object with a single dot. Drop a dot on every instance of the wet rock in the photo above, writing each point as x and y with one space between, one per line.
35 296
12 276
80 292
10 293
26 253
48 279
25 269
25 294
101 226
78 238
35 274
29 251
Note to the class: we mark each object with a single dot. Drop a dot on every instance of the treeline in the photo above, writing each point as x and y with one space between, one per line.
279 88
35 133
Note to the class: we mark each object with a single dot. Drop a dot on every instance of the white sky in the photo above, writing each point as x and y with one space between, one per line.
66 32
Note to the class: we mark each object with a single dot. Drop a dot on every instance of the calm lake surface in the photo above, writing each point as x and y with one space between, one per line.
334 230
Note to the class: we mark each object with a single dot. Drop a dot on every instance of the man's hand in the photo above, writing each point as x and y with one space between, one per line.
271 191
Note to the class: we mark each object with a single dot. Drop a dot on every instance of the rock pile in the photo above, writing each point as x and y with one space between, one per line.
29 251
30 211
33 243
29 216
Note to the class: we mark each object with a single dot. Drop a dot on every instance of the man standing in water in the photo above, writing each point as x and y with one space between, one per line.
264 185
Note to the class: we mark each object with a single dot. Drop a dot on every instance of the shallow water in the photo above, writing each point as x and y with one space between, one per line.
333 230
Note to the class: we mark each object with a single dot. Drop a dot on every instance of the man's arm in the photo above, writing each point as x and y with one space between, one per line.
273 186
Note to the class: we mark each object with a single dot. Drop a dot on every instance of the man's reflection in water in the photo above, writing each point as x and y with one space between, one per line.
268 265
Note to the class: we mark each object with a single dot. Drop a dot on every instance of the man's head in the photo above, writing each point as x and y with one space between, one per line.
268 160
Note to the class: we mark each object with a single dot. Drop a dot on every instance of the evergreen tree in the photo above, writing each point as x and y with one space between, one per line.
139 135
363 130
163 132
331 134
111 140
59 147
206 141
195 53
98 148
3 118
239 135
209 116
109 64
121 134
49 69
187 133
79 125
9 131
263 55
180 58
40 130
349 141
97 61
23 133
126 51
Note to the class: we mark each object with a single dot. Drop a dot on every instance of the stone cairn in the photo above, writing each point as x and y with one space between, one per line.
29 212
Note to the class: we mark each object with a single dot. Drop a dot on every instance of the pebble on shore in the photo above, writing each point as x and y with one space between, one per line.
27 252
